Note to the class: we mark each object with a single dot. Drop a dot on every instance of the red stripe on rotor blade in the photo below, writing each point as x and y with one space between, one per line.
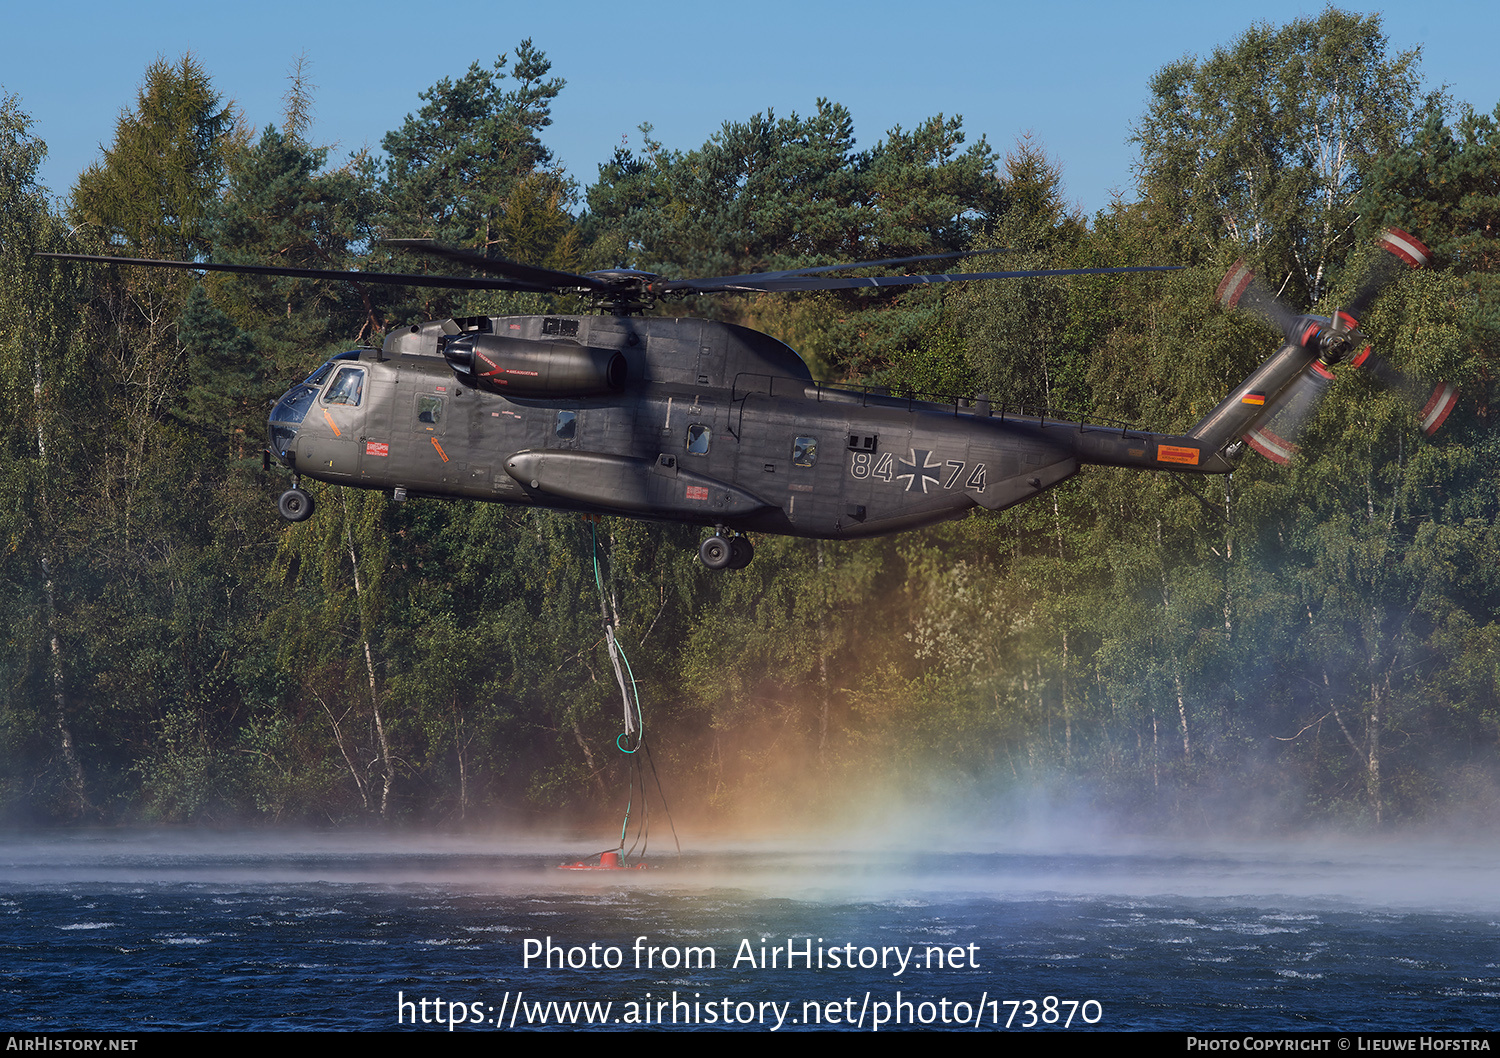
1364 355
1308 334
1234 284
1407 247
1322 369
1438 407
1271 446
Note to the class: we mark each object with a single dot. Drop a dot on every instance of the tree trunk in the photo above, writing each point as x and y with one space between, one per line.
59 683
388 772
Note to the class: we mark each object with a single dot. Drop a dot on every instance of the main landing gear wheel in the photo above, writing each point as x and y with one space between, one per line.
741 551
295 505
716 552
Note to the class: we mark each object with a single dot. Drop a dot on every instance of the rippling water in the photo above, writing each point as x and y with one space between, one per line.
123 932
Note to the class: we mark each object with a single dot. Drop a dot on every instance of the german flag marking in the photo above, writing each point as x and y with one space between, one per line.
1176 454
439 448
1253 398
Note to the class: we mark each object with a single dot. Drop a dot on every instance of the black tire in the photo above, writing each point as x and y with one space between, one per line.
715 552
295 505
741 551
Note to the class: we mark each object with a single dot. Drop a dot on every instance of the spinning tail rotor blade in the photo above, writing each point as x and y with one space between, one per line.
1242 289
1400 248
1431 407
1276 434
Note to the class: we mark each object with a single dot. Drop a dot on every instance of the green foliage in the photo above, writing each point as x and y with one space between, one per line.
775 193
152 192
1266 144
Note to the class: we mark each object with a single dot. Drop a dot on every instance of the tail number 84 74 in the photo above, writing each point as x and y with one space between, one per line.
921 472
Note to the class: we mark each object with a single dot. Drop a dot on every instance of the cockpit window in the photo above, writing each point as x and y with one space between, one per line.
348 387
318 377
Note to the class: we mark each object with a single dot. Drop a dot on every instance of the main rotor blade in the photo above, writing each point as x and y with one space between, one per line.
888 262
385 278
539 278
752 284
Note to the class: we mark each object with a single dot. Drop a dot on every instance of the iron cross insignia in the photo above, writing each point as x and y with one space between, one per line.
921 462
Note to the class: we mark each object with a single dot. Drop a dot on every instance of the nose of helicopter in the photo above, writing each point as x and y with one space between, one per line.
286 417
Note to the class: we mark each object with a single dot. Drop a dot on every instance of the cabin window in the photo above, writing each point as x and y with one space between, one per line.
348 387
804 451
698 437
567 425
429 410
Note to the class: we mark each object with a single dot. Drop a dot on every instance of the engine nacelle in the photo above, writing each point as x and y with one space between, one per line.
518 367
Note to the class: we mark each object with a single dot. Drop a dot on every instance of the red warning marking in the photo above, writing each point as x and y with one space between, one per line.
697 492
377 448
1176 454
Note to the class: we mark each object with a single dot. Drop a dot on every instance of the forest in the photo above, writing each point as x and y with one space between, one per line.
1287 646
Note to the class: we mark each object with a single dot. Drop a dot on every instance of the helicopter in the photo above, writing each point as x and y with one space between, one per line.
718 425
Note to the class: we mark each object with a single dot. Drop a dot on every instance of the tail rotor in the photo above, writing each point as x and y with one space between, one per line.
1274 433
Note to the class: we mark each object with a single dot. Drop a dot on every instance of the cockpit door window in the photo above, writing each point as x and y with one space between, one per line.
348 387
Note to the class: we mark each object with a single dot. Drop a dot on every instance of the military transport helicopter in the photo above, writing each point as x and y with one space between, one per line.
714 424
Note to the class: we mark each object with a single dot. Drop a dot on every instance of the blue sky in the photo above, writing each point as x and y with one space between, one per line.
1073 74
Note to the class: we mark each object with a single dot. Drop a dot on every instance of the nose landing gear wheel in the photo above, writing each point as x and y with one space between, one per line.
295 505
716 552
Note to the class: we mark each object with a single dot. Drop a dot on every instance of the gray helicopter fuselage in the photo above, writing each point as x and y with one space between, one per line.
709 423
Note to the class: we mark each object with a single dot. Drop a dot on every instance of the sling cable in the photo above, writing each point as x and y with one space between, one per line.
630 742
